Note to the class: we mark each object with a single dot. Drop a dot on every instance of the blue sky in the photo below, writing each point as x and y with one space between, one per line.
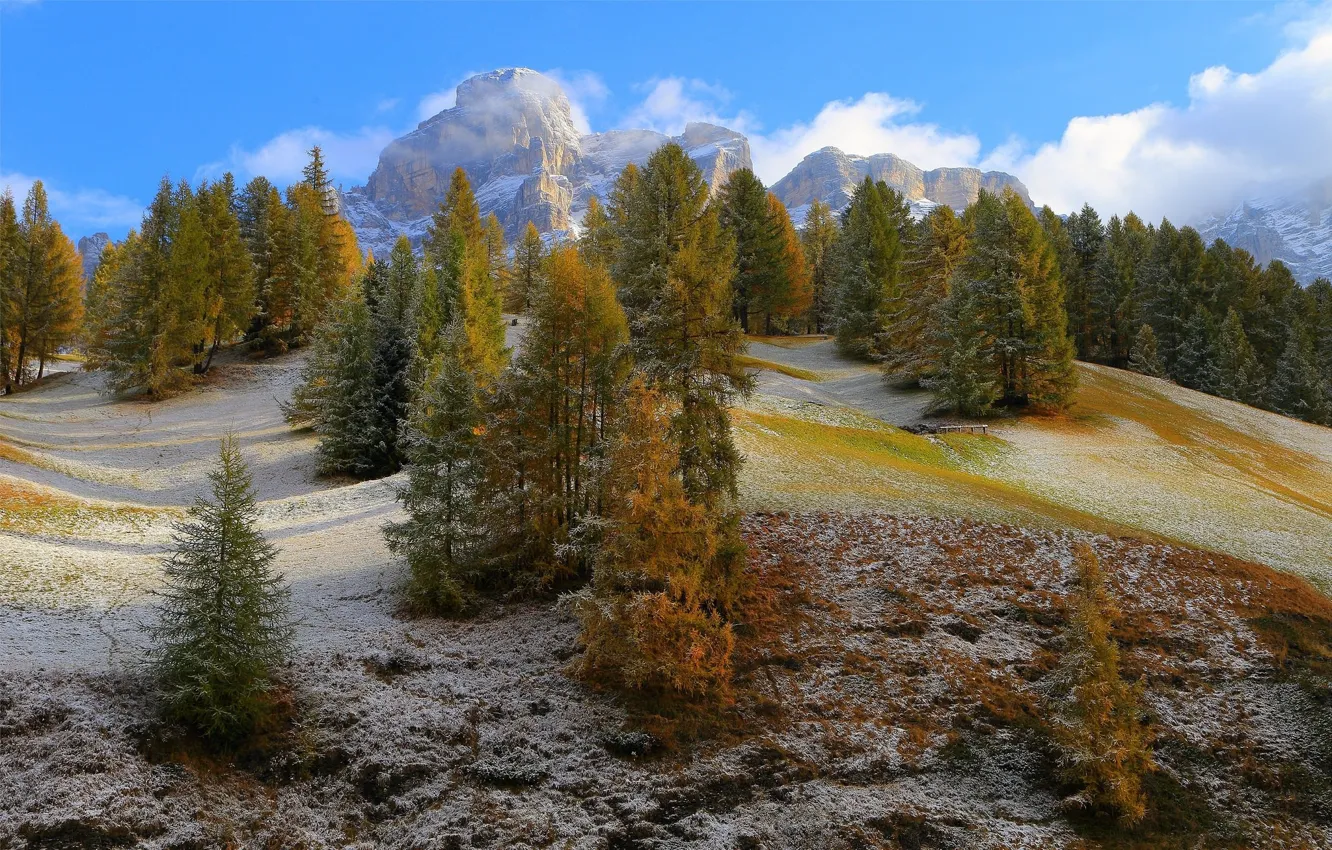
100 100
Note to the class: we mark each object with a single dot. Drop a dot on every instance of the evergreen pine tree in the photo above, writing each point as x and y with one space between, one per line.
527 269
1195 355
10 256
759 281
962 376
1144 358
223 631
597 243
228 285
443 534
933 252
868 270
674 265
1105 749
819 239
337 395
1297 388
1239 375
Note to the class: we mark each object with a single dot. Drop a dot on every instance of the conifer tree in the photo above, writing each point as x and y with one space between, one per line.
527 269
653 619
1085 236
759 281
1105 749
223 630
228 272
187 261
795 296
443 535
153 333
1297 388
1048 378
458 256
597 243
819 240
389 288
563 386
1195 355
266 226
10 256
44 298
933 252
315 174
673 266
1239 376
497 259
440 300
1144 358
101 303
337 396
868 266
961 371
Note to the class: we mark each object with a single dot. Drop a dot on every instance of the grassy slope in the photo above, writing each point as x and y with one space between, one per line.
1136 456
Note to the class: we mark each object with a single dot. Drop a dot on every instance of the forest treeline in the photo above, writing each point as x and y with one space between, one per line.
986 308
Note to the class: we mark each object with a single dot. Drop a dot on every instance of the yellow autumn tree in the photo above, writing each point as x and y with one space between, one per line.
1105 748
652 618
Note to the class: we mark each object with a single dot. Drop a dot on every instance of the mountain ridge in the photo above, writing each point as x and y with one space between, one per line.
512 131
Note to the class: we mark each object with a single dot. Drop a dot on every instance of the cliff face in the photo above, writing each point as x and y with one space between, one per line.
831 176
1295 229
90 250
512 131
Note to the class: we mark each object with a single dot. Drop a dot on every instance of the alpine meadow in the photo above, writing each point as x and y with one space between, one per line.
475 478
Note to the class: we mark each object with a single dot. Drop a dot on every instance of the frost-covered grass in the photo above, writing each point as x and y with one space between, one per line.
890 684
1134 455
747 362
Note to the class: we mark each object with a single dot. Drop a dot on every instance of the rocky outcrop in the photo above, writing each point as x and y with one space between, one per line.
830 175
90 250
512 131
1295 229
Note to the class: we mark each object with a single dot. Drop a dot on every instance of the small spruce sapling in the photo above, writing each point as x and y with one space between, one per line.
223 628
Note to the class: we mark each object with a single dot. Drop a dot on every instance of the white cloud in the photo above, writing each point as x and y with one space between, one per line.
586 92
446 98
349 156
388 104
873 124
78 210
672 102
1239 133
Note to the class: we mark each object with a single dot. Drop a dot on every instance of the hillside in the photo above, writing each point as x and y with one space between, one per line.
913 601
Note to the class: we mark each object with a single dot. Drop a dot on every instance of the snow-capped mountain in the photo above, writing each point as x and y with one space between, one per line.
1295 229
831 176
512 131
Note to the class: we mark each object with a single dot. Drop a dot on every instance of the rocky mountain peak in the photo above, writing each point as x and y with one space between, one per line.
90 251
512 131
1295 228
831 175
